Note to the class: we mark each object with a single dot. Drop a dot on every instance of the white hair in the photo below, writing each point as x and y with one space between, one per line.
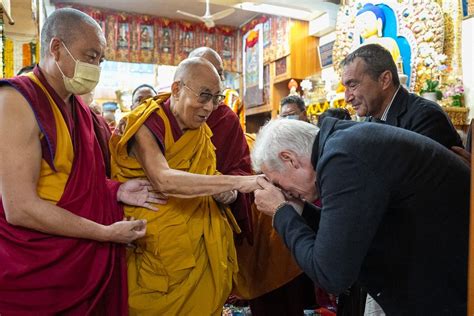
282 135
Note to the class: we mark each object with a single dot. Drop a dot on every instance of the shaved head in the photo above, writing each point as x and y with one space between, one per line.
212 56
193 68
65 24
195 92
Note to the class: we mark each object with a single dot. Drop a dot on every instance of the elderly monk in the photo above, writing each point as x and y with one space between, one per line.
59 217
232 152
186 262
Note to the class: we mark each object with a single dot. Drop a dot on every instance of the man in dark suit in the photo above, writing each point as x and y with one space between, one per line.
394 217
373 88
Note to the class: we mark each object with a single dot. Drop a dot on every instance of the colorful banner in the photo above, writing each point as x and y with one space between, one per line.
149 39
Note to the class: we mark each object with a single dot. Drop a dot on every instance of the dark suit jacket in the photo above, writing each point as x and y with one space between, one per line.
422 116
394 217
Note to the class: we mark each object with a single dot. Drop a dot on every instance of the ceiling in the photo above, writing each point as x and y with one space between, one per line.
167 8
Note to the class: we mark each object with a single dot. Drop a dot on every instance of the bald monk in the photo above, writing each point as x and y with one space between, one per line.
60 220
186 262
232 152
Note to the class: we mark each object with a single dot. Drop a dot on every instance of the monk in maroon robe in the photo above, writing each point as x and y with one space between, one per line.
60 222
232 151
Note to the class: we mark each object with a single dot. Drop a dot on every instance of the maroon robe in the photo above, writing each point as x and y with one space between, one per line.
233 158
42 274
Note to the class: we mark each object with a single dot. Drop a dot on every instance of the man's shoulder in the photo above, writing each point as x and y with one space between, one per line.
420 105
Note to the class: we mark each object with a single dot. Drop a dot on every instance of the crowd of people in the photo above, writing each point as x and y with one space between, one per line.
177 209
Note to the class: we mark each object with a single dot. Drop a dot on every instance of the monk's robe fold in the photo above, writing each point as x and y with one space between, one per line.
43 274
186 262
233 158
267 264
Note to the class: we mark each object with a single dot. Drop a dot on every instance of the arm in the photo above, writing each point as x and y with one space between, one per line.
354 201
179 183
20 163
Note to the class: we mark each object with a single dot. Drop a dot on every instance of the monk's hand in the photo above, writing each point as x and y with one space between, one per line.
268 198
247 184
126 231
463 154
226 197
139 192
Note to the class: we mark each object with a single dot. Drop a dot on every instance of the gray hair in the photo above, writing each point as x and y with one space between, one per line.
281 135
65 24
377 60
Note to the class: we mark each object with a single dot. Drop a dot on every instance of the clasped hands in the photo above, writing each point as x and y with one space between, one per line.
269 197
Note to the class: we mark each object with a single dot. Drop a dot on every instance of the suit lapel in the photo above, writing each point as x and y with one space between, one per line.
398 108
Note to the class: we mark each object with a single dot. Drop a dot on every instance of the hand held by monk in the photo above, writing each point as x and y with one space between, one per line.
139 192
268 198
125 231
249 184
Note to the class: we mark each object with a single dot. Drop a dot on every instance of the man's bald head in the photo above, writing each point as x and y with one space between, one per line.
65 24
212 56
193 68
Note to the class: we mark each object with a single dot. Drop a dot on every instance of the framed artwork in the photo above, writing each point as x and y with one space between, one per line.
123 37
146 37
280 66
325 54
252 54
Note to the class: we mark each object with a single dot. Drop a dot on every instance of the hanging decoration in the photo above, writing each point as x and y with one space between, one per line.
27 56
166 39
150 39
8 58
186 40
226 47
252 59
146 39
123 38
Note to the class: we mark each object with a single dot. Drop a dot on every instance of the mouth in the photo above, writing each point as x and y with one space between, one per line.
202 118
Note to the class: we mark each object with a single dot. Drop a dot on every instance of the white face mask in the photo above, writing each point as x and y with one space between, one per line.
85 79
293 117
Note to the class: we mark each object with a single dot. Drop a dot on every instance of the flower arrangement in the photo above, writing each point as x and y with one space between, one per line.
430 67
431 86
455 91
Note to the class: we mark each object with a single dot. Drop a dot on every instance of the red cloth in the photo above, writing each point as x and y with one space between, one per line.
103 134
233 158
42 274
156 125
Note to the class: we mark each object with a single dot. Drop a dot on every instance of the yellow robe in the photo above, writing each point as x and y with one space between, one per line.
186 262
267 264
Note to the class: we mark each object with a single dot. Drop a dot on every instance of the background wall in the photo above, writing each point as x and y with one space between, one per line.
468 63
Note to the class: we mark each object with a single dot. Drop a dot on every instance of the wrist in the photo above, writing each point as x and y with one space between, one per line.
103 233
119 194
279 207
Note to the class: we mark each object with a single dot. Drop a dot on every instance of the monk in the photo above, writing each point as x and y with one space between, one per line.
232 152
60 220
186 262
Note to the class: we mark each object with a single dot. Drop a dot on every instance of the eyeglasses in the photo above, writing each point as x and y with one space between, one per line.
204 97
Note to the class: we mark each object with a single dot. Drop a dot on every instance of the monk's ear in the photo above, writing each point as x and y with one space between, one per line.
175 89
54 48
289 159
